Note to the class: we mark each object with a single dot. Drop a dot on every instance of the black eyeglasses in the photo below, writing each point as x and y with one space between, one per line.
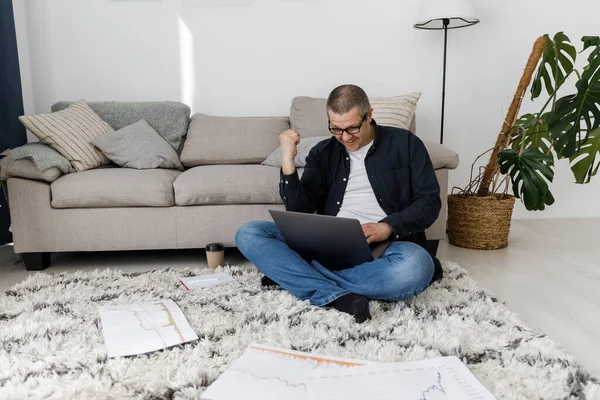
352 130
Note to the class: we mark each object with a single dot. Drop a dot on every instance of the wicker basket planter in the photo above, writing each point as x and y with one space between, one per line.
479 222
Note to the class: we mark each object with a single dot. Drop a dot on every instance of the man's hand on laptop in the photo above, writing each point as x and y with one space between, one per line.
376 232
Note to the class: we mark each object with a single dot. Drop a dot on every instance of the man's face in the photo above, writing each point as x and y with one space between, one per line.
354 122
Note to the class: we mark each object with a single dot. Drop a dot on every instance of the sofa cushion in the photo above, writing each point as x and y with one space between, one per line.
231 140
228 184
138 146
304 147
70 132
308 115
169 118
115 187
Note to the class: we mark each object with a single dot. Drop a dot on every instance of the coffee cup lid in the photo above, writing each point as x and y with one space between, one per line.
215 247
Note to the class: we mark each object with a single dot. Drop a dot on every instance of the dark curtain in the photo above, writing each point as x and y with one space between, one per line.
12 133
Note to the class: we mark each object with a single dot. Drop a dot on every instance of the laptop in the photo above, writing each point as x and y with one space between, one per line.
335 242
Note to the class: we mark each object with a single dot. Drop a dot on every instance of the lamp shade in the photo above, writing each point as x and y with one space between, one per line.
459 13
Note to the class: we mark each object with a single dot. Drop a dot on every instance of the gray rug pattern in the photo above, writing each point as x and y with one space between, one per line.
51 345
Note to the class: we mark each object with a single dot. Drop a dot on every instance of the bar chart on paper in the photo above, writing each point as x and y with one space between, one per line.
444 378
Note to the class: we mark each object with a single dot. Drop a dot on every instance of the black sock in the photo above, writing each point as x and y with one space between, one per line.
353 304
438 272
266 281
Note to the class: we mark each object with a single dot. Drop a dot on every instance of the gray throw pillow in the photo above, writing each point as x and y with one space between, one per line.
138 146
304 147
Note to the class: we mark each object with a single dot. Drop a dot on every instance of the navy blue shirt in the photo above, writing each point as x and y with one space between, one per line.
399 170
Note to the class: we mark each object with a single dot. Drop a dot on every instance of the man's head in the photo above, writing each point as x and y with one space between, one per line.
350 115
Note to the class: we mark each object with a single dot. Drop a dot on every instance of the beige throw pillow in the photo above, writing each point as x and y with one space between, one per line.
70 132
397 111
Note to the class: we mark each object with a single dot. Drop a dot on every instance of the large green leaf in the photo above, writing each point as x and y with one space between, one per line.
590 41
587 166
570 112
557 63
527 172
533 130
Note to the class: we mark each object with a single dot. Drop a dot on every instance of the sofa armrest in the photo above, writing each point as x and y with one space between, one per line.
441 156
25 168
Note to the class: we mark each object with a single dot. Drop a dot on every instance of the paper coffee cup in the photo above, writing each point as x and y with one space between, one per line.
215 254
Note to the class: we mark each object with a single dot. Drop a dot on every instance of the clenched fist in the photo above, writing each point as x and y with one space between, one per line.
289 141
376 232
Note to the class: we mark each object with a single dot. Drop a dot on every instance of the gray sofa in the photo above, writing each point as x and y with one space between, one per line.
111 208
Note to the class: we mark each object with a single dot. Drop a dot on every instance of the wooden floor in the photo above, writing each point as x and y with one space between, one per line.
549 275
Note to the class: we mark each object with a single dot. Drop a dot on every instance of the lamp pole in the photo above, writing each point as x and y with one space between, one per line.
444 15
446 22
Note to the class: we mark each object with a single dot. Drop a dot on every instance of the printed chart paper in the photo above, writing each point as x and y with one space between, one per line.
265 373
141 328
444 378
202 281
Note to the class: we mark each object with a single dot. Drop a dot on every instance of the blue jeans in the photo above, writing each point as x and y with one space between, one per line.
402 271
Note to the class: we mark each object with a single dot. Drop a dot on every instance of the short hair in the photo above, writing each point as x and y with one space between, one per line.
344 98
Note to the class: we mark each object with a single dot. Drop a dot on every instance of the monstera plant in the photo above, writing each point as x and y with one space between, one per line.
564 128
528 146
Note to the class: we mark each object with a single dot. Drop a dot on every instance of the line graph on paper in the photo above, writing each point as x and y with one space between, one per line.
443 378
433 388
264 372
144 327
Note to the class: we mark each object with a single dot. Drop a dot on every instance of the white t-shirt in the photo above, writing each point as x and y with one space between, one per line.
359 200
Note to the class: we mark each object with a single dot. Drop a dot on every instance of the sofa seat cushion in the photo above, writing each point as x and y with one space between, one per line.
228 184
115 187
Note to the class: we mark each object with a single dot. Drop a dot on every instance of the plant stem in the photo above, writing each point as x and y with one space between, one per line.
555 47
522 132
492 165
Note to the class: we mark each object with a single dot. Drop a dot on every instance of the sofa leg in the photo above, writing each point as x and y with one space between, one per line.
36 261
432 246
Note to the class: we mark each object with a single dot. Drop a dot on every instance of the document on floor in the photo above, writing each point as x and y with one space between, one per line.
140 328
265 373
202 281
444 378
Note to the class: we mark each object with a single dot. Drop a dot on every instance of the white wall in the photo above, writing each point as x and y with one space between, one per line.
252 60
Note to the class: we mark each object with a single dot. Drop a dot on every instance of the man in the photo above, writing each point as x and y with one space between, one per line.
381 176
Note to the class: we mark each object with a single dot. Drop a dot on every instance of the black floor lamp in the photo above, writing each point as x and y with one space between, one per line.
444 15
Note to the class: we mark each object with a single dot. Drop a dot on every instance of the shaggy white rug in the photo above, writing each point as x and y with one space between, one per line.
51 345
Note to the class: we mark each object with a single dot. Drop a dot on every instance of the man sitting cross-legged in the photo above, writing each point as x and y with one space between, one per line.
381 176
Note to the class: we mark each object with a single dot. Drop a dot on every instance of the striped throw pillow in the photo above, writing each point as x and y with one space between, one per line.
397 111
70 132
